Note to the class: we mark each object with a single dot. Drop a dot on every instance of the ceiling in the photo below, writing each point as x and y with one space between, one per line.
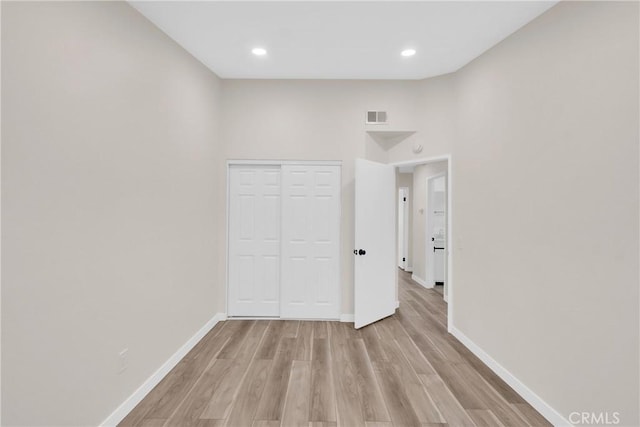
338 40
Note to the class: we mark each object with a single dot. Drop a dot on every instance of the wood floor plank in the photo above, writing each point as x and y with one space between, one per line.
383 330
491 399
437 335
455 381
484 418
450 408
350 331
297 401
506 414
425 345
269 344
430 307
337 332
231 348
223 397
369 331
422 323
265 423
153 422
304 341
290 328
450 353
216 334
397 401
272 401
373 405
530 415
320 329
395 327
417 360
248 397
348 408
372 344
188 413
323 424
412 387
334 333
323 404
406 309
259 328
425 314
210 423
181 383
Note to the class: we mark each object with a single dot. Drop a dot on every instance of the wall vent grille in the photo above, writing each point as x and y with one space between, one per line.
376 118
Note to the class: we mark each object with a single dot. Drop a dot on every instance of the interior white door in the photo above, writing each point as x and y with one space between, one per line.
254 241
310 242
403 228
401 225
374 252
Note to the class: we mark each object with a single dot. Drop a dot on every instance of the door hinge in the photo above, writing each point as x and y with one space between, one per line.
404 199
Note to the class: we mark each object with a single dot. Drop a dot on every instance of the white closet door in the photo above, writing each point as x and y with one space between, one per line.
254 241
310 286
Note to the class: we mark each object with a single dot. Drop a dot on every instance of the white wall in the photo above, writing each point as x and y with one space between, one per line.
420 175
545 206
109 206
311 120
435 122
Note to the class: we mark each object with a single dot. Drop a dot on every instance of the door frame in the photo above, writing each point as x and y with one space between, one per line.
450 229
405 226
266 162
429 253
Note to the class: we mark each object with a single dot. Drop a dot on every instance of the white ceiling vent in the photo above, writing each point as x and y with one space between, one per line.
376 118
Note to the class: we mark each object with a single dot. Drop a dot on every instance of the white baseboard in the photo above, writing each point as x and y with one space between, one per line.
553 416
420 281
348 318
137 396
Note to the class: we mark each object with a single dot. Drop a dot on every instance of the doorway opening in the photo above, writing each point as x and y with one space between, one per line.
377 243
428 263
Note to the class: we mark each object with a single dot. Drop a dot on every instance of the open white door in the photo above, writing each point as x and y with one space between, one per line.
375 244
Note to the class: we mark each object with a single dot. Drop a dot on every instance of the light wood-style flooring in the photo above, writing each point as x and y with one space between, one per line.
405 370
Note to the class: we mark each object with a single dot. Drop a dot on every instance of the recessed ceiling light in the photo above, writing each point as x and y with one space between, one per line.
408 52
258 51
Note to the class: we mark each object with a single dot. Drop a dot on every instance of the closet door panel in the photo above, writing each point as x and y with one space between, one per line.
254 241
310 285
